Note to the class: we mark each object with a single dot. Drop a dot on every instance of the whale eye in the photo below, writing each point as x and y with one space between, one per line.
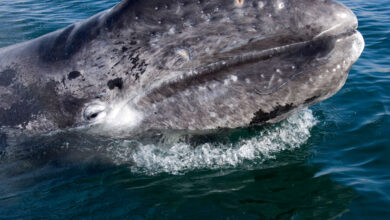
94 112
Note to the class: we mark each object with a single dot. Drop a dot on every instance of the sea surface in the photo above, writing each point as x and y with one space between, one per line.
331 161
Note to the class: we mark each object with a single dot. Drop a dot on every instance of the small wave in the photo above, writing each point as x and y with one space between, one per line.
182 157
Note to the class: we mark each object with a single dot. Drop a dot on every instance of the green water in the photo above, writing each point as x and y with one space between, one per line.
329 161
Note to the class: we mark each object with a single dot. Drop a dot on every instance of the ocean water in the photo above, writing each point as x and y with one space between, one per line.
329 161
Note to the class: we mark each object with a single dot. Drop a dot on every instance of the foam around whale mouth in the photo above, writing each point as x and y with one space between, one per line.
181 157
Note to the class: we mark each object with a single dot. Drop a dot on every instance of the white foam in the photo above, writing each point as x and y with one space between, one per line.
182 157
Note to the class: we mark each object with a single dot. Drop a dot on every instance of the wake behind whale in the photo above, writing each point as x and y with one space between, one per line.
178 65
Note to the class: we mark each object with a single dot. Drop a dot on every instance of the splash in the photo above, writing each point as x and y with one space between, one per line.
181 157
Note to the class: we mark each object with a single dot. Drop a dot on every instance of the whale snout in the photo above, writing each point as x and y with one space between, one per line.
317 18
343 20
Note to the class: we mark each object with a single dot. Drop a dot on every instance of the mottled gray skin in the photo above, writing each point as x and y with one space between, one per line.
181 65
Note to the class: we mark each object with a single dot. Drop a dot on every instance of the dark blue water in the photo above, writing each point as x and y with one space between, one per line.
329 161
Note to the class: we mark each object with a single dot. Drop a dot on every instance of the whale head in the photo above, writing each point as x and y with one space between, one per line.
190 64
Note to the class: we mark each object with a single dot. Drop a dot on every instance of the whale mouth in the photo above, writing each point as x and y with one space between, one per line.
298 51
262 48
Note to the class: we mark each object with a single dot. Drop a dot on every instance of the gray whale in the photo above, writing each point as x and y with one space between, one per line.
179 65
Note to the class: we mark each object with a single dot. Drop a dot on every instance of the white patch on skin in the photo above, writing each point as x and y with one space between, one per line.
248 81
338 66
326 31
202 88
281 5
239 3
271 81
187 93
234 78
119 115
261 4
342 15
172 31
357 47
184 53
213 114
